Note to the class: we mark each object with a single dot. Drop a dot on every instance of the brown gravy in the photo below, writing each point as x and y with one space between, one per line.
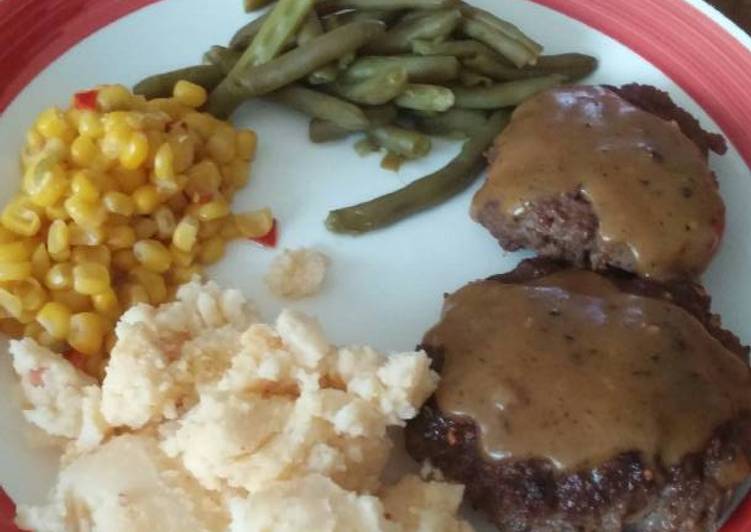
570 369
648 184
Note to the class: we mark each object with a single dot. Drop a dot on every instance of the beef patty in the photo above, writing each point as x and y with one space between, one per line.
651 433
606 177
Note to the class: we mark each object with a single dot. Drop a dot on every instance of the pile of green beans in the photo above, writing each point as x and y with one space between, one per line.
394 71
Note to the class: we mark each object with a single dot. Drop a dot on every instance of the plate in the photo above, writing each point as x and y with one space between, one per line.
385 288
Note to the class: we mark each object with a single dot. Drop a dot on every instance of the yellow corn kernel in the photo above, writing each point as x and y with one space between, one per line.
213 210
17 251
172 107
113 97
11 303
73 300
83 151
146 199
210 229
45 182
86 333
15 271
254 224
98 254
31 292
153 255
58 239
110 340
221 145
56 148
180 275
119 203
124 260
84 213
202 123
189 94
90 124
229 230
7 236
40 262
131 294
165 222
135 151
153 283
34 141
11 328
183 152
90 278
107 304
121 237
52 124
83 186
145 228
247 144
115 140
180 258
59 277
85 236
204 180
55 318
236 174
33 330
129 181
186 234
211 250
21 219
164 162
56 212
27 317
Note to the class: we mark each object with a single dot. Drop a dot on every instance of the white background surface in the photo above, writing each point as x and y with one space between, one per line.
385 288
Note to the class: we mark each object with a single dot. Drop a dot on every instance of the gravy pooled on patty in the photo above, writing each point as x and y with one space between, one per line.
649 186
569 368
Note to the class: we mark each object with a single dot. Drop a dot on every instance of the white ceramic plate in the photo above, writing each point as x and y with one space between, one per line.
385 288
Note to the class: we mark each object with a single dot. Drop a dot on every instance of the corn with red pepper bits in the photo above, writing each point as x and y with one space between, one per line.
122 199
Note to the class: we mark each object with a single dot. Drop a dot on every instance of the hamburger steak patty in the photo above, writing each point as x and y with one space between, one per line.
623 492
560 218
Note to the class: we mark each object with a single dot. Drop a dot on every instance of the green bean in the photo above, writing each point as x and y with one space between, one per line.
224 58
332 6
470 78
435 69
242 37
460 49
320 131
309 31
425 98
161 85
424 193
336 20
452 123
252 5
515 51
383 87
501 25
323 106
249 82
433 25
325 131
403 142
504 94
283 21
573 66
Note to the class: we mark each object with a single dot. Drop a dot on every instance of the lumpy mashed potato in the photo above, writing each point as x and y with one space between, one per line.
208 419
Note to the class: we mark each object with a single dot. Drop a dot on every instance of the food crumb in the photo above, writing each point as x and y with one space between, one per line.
297 273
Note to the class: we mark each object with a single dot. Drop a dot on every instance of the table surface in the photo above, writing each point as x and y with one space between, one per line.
737 10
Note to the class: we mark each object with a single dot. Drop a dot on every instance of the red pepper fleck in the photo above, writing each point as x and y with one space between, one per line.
36 377
7 513
269 239
85 100
741 519
76 358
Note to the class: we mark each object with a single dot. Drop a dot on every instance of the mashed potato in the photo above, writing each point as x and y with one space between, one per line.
297 273
208 419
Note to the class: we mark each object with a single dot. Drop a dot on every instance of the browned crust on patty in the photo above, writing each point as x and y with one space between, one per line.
623 493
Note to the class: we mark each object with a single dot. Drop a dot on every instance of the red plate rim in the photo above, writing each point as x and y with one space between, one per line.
691 48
